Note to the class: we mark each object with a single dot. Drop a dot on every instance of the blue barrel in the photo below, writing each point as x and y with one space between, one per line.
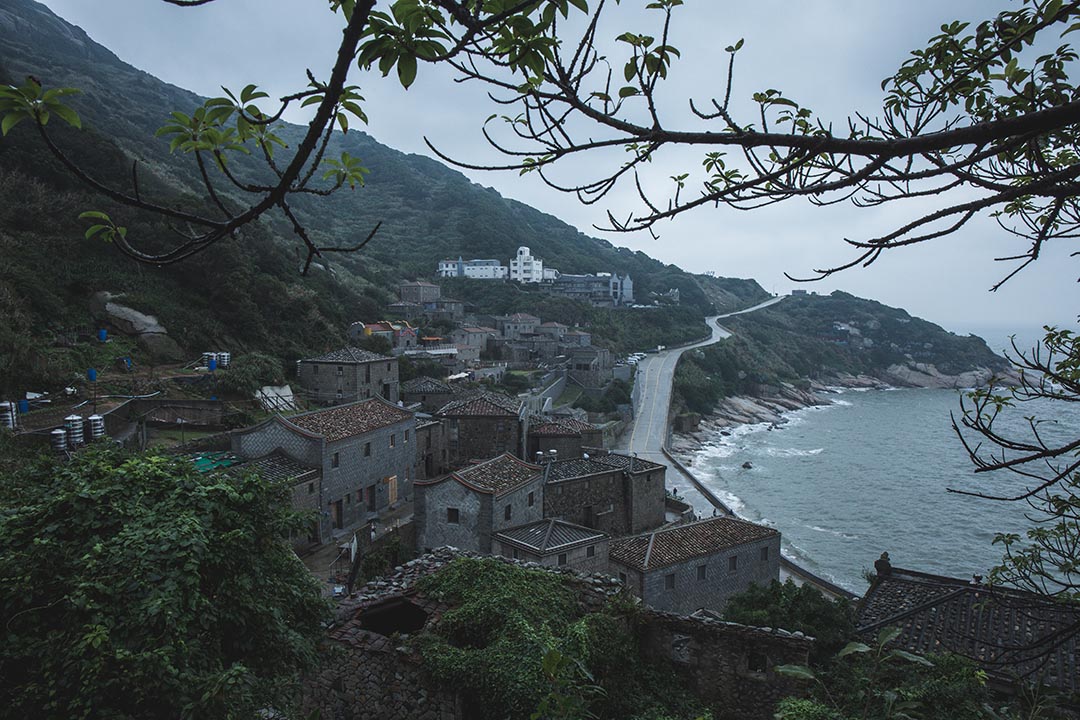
102 335
211 364
24 406
91 375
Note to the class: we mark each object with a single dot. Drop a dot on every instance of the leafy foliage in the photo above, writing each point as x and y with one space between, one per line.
135 587
247 373
795 607
516 640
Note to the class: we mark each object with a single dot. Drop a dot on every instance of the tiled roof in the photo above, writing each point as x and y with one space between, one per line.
482 405
479 330
550 535
680 543
579 467
424 384
279 466
499 475
1008 633
348 355
560 427
344 421
522 317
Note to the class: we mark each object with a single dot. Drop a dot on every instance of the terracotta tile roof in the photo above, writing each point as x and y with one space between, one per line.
279 466
499 475
424 384
1009 633
579 467
559 427
483 405
348 355
550 535
338 423
680 543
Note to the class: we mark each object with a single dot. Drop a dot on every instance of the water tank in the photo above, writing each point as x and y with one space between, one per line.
97 427
224 359
211 364
74 426
58 440
91 374
206 356
102 335
24 407
7 414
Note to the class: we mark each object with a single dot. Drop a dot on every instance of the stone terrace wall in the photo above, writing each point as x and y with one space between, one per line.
729 666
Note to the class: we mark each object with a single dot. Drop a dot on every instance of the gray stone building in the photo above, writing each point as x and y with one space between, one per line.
697 565
277 466
431 393
556 544
432 448
568 437
419 292
466 508
348 375
518 325
591 366
365 452
483 426
618 494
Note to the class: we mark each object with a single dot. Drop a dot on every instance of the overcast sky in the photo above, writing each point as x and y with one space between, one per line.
830 55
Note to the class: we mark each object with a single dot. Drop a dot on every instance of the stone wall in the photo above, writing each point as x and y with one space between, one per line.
266 437
432 449
522 511
730 667
472 531
367 465
577 558
614 502
691 591
355 381
481 438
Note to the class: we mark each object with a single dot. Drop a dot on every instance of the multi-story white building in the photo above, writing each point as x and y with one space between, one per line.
526 268
476 269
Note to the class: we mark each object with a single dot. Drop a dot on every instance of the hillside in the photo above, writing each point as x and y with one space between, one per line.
823 338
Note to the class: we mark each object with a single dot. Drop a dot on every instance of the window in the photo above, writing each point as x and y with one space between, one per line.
311 488
367 449
562 558
590 551
764 554
393 440
340 370
406 436
757 663
508 512
532 499
622 578
452 516
669 581
348 498
314 369
515 553
387 367
733 563
700 572
335 460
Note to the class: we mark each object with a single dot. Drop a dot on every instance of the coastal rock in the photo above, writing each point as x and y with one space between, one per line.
926 375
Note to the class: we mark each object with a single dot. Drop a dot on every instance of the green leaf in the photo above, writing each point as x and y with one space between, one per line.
68 115
94 230
406 70
94 215
853 647
918 659
796 671
11 120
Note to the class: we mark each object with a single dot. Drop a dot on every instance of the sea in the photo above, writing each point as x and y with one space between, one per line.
869 473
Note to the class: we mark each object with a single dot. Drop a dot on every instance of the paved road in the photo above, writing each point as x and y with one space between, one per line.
652 398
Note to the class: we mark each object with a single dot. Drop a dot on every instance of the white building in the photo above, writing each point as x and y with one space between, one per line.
526 268
475 269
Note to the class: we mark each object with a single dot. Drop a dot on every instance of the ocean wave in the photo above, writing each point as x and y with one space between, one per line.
837 533
792 452
844 403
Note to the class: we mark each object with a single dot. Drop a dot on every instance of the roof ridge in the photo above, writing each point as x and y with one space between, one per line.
547 534
648 550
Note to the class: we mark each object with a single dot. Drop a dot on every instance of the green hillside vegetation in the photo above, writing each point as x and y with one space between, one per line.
800 339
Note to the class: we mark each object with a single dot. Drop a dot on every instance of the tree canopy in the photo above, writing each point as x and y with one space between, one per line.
137 587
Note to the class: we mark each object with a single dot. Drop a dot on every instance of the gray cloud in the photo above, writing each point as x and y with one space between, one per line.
831 56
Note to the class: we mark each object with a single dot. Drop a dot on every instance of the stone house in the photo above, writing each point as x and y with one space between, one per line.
555 543
432 448
365 452
477 337
401 335
516 326
348 375
277 466
697 565
431 393
565 438
552 329
483 426
618 494
405 310
591 366
466 508
577 338
419 292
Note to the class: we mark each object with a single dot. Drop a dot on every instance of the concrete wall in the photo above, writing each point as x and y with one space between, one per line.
691 592
355 381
